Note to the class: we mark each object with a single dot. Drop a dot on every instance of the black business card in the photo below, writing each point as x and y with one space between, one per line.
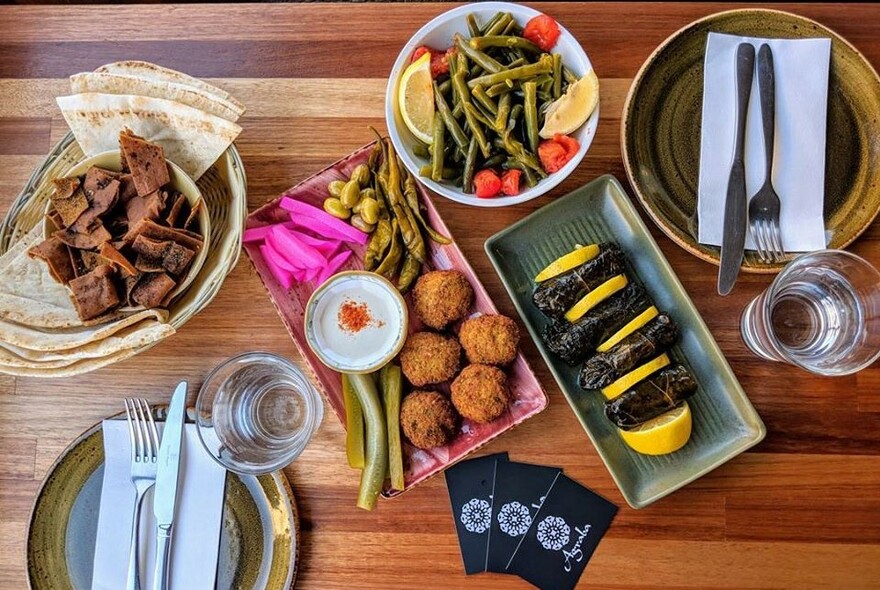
470 484
562 537
520 488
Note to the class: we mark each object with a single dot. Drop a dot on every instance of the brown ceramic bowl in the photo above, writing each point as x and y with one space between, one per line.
660 130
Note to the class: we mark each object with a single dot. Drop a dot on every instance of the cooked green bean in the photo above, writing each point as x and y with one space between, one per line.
499 25
482 43
496 160
491 22
480 117
530 108
437 148
557 75
473 27
542 66
448 171
515 113
519 152
508 30
479 93
502 88
421 150
445 86
470 162
484 61
569 76
449 120
473 123
503 113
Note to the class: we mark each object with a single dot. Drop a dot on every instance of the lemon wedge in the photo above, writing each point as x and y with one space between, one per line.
595 297
634 324
571 260
634 376
415 96
664 434
569 111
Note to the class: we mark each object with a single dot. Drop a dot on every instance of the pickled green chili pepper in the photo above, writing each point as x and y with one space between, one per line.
376 461
354 426
379 242
411 192
530 109
437 148
395 251
409 272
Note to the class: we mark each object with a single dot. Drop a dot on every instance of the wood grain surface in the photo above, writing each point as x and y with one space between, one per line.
801 510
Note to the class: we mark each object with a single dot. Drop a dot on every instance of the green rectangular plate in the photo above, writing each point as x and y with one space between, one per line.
725 423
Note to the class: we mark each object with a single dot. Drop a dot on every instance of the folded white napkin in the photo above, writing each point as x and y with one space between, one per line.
196 534
801 67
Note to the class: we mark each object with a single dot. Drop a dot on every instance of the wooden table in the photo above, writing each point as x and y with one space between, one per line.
800 510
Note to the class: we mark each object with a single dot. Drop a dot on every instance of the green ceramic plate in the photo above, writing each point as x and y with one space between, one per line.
259 542
725 423
660 130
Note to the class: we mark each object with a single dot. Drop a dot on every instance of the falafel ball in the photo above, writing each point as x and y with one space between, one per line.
441 297
429 358
428 419
489 339
480 393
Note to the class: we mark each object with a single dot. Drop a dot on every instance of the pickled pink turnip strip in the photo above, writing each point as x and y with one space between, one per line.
333 265
300 254
258 234
284 278
309 217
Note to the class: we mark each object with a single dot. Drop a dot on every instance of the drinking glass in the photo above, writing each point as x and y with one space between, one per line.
822 313
256 412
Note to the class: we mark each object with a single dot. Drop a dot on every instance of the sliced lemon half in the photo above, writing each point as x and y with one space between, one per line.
571 260
664 434
634 376
595 297
572 109
634 324
415 96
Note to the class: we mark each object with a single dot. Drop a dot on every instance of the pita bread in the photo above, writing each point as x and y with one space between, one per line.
148 71
28 293
77 368
60 339
136 336
191 138
124 84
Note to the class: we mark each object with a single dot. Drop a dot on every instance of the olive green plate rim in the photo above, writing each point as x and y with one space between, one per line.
690 245
747 413
279 479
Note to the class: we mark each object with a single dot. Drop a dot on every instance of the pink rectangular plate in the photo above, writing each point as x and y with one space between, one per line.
529 397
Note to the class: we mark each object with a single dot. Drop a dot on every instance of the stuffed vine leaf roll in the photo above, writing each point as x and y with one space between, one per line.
606 367
555 296
574 341
651 398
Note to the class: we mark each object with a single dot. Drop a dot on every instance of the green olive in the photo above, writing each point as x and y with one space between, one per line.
335 208
351 192
368 193
369 210
361 174
335 188
358 222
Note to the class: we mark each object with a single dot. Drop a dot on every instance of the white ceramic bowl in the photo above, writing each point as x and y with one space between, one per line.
438 34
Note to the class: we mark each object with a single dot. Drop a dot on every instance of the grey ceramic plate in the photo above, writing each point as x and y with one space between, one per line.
259 541
725 423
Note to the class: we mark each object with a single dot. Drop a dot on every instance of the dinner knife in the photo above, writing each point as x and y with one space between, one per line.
736 205
167 476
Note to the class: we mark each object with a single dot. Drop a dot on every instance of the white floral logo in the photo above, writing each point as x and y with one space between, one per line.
476 515
514 519
553 533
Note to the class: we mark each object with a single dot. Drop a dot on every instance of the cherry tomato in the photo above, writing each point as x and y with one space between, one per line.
555 153
419 52
439 59
510 182
487 184
542 31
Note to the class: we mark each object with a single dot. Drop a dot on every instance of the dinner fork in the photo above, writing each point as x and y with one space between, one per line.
144 440
764 206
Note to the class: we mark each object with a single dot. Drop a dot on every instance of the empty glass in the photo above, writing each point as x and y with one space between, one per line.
256 412
821 313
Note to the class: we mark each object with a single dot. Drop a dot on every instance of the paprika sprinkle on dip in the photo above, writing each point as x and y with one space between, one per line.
354 317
